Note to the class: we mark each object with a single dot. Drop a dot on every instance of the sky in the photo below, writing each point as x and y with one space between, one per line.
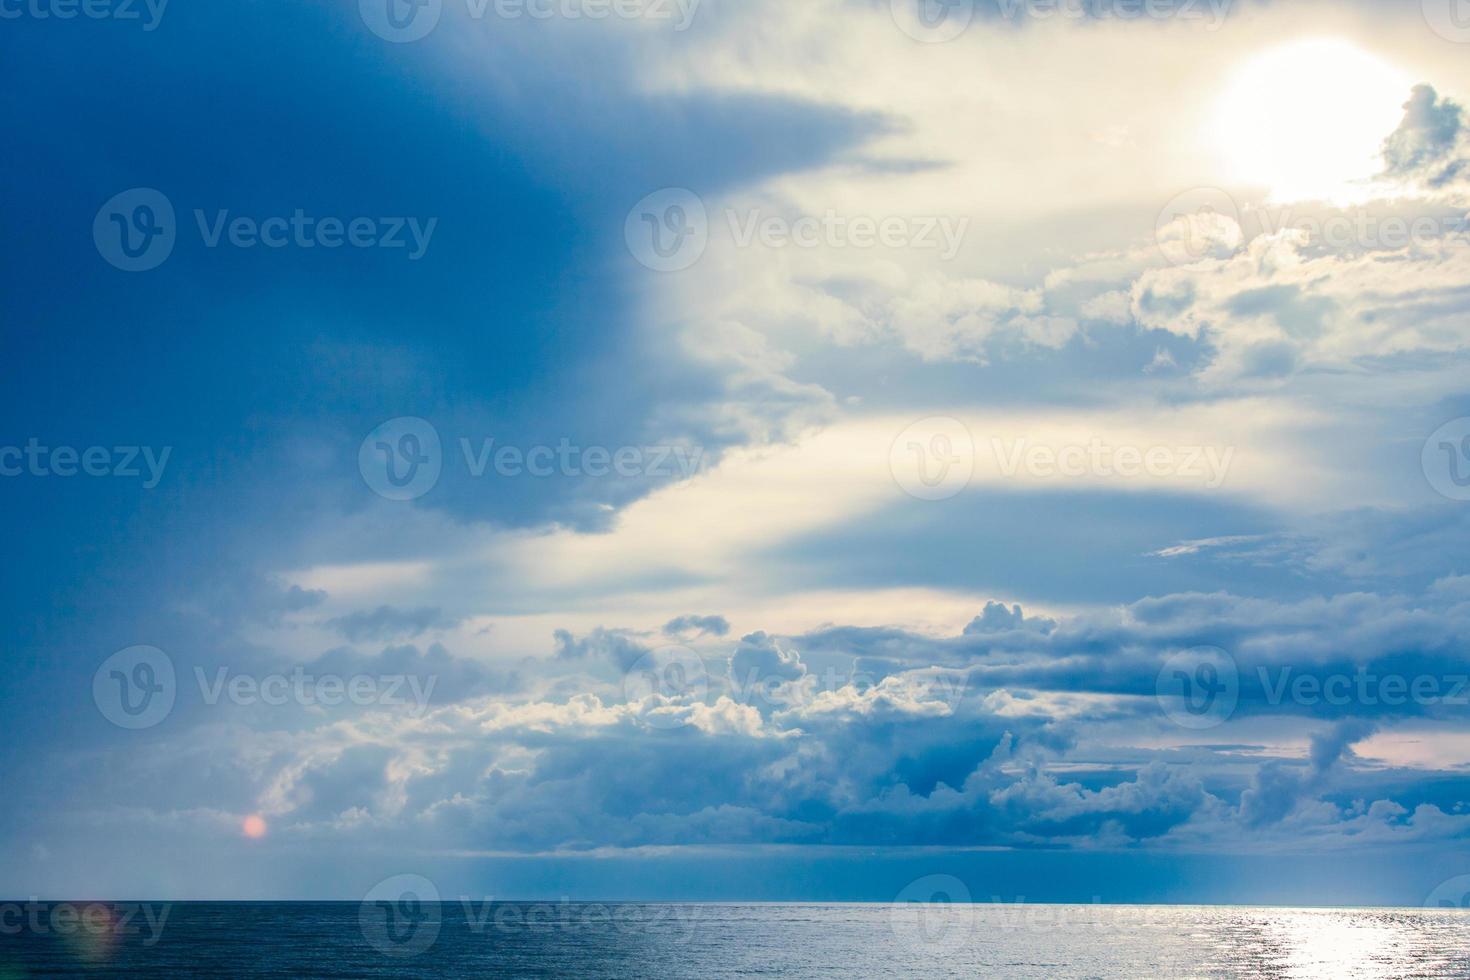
736 450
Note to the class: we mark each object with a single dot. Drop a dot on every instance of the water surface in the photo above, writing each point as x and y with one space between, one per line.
483 939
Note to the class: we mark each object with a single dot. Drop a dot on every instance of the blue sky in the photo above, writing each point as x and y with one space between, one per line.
1034 449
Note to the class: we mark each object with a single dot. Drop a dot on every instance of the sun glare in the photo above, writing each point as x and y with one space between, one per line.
1308 120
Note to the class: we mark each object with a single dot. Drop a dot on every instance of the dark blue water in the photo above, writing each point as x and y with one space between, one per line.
481 939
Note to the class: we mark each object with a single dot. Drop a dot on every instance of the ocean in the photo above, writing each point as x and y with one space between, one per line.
567 939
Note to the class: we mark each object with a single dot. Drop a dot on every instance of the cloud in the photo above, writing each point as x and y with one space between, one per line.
1276 790
759 655
997 619
445 677
618 647
388 623
1281 305
1019 731
894 705
1427 146
706 625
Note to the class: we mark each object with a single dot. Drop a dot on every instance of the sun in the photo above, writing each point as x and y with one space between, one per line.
1307 120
